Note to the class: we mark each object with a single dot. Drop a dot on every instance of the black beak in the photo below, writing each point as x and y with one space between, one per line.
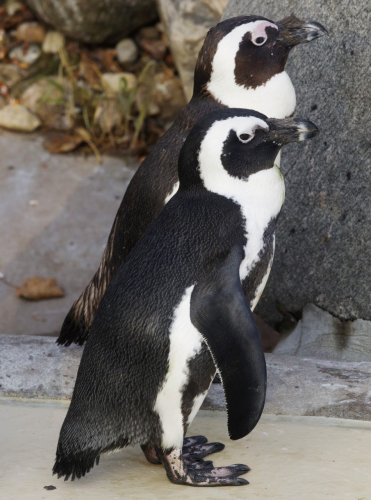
293 31
290 130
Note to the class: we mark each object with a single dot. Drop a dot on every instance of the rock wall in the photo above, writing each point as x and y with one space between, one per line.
95 23
323 252
186 23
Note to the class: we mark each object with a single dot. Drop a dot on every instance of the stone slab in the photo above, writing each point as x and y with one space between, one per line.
55 216
320 335
290 458
323 250
35 367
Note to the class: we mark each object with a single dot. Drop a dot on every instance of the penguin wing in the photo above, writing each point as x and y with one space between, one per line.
220 312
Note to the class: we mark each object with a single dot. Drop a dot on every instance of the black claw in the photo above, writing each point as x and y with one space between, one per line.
241 481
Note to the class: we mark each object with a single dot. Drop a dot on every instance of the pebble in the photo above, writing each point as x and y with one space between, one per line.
31 32
10 74
127 51
51 100
12 6
18 117
113 81
27 55
53 42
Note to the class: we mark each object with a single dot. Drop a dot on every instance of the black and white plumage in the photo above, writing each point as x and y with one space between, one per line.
176 311
241 64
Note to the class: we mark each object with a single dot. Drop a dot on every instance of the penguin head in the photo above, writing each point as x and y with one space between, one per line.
245 52
233 144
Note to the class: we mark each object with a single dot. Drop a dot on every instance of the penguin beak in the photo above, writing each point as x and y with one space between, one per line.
293 31
290 130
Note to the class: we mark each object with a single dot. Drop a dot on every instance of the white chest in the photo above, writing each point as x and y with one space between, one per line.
260 202
275 99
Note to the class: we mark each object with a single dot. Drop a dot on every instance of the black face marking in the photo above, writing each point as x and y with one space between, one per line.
256 64
242 159
239 159
205 58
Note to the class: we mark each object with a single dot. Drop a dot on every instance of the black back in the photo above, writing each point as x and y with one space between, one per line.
125 359
154 180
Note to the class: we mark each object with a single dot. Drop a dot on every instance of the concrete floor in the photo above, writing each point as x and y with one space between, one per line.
55 216
306 458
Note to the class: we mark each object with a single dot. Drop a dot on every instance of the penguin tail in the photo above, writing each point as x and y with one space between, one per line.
75 466
74 328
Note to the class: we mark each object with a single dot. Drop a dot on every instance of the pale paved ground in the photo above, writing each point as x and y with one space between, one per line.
294 458
56 212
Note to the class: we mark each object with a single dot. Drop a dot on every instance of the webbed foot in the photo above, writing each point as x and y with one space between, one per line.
199 472
194 448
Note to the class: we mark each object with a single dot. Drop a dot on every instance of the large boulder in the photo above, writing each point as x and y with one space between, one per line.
186 23
323 253
95 22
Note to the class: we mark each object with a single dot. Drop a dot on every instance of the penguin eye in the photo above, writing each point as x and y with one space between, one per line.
245 138
260 40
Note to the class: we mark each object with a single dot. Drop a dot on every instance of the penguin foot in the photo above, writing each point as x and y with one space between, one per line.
200 472
197 447
194 448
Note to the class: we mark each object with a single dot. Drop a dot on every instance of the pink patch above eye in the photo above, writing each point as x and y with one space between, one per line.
259 30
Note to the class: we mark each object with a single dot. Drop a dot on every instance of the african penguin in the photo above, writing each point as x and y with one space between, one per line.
241 64
175 311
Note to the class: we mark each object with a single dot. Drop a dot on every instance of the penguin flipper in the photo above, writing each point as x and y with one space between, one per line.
220 312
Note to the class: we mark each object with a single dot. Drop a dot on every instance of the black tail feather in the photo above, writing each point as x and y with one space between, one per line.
72 331
76 466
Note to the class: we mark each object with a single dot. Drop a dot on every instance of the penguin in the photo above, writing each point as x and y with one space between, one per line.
175 312
241 64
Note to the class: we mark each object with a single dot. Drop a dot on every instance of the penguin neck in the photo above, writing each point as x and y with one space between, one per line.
275 98
260 195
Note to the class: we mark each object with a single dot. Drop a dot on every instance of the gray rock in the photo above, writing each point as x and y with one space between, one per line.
35 367
186 23
127 51
320 335
323 253
299 386
95 23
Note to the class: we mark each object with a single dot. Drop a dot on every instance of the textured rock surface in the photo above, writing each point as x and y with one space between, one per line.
35 367
320 335
94 24
323 251
186 23
299 386
55 216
